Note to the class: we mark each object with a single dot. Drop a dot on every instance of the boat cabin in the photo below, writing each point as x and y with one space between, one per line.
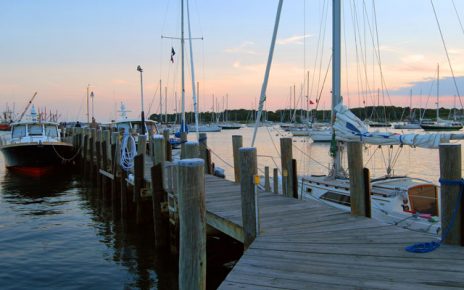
34 132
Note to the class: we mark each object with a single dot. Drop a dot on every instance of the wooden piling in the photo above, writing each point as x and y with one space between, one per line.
267 182
116 171
166 134
192 150
204 149
93 139
450 169
98 156
275 179
160 217
286 154
183 140
248 170
294 179
237 143
192 219
357 188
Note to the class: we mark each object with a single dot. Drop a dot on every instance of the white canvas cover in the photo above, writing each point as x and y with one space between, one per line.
348 127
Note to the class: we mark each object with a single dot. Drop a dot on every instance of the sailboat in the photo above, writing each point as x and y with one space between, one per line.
405 201
441 125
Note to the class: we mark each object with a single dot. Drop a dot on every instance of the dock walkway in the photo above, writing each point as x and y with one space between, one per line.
304 244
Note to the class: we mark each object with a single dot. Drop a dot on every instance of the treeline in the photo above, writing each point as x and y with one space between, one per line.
390 114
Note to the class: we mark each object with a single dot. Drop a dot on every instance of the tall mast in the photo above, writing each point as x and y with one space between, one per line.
161 103
262 98
182 44
438 89
192 73
165 104
336 73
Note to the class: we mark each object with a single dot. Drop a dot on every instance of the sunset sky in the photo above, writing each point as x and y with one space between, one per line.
58 48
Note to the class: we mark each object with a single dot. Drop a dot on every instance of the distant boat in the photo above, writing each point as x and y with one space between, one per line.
34 147
206 128
230 126
407 125
439 124
133 126
378 124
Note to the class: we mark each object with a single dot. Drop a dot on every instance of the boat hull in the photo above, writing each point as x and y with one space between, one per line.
36 158
440 128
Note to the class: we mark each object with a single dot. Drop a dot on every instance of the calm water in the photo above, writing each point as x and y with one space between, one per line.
55 234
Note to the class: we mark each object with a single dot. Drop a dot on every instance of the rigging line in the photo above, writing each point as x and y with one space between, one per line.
323 83
346 61
324 12
152 100
305 154
322 52
272 158
383 157
357 52
272 140
372 155
447 55
398 153
219 157
459 18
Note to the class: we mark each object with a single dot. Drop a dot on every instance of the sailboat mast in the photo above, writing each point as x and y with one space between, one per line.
438 90
182 44
192 72
262 97
336 72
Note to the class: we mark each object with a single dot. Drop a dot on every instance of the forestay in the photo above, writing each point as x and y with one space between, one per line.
348 127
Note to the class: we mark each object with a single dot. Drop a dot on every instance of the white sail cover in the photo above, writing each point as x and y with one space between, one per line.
348 127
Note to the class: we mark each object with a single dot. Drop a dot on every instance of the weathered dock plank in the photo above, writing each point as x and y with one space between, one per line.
304 244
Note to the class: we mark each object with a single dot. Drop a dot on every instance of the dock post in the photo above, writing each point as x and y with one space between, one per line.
115 170
191 150
125 202
286 155
159 198
237 143
203 149
166 134
93 137
192 220
275 180
294 179
450 169
98 156
85 153
250 214
357 188
183 140
104 164
267 182
139 180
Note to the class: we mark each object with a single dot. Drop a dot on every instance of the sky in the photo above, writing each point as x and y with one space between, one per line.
391 50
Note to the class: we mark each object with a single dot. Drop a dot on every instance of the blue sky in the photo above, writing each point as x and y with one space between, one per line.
59 47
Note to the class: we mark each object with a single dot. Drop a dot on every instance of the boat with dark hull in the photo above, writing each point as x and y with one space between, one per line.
34 147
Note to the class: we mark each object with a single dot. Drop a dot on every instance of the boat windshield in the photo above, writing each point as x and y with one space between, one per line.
19 131
51 131
424 199
137 126
125 127
35 130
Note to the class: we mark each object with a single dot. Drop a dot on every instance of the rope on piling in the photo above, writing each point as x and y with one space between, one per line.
429 247
128 152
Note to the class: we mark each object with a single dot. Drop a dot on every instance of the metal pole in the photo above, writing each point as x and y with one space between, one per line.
141 98
88 117
92 96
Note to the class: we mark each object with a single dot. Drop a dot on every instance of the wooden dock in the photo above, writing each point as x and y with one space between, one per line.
299 244
304 244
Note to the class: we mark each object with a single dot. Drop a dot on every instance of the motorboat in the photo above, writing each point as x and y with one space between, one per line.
34 147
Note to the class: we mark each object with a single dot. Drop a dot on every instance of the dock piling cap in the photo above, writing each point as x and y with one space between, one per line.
193 162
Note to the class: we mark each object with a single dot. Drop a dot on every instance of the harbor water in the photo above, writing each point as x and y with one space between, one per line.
55 233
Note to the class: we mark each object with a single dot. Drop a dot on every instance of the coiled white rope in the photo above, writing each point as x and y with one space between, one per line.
128 152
